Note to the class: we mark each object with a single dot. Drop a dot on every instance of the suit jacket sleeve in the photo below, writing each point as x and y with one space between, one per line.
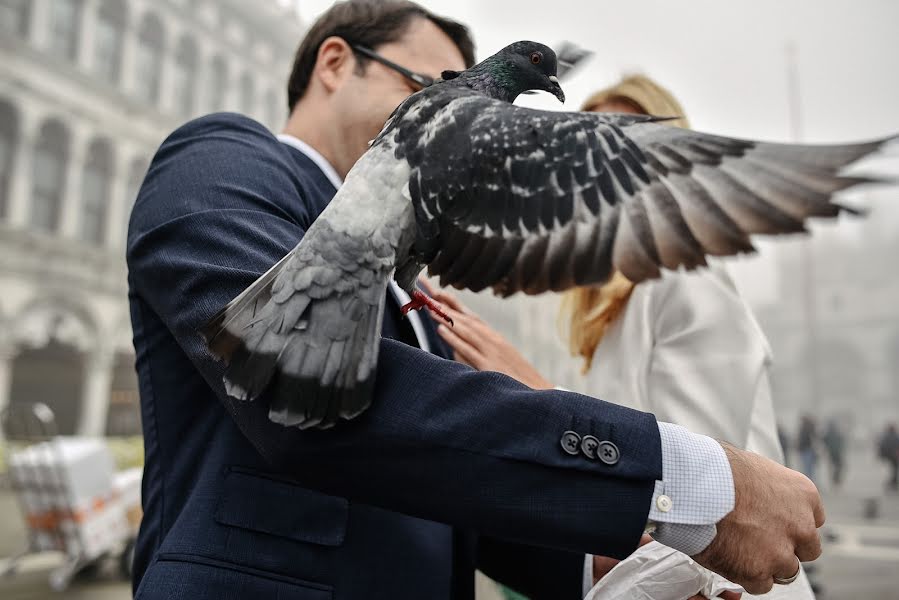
221 203
538 573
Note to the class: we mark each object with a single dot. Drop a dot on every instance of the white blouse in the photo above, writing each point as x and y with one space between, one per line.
688 349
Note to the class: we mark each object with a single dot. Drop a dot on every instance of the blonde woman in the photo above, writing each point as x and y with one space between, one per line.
685 347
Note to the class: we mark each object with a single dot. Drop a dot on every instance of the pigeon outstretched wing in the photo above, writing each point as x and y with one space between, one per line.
488 194
527 200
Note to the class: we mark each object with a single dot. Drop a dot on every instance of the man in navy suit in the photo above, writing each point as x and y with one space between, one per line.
450 469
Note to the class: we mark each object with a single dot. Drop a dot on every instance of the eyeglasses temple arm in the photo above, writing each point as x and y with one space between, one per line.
421 80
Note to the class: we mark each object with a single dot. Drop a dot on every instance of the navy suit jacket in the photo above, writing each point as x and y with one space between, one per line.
449 470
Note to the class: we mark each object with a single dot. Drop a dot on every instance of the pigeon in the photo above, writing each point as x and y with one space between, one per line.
489 194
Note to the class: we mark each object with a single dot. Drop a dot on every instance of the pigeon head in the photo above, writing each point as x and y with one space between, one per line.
524 66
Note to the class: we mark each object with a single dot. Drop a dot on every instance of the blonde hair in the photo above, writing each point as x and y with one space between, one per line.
590 311
646 95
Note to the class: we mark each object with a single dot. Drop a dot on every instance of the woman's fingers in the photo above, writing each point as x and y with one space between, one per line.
442 296
466 328
463 351
478 345
451 301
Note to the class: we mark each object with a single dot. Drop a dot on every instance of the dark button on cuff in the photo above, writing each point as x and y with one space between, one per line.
589 445
608 453
571 442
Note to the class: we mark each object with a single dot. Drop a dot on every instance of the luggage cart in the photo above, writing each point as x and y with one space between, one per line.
86 533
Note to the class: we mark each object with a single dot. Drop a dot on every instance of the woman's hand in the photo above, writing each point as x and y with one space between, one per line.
603 564
478 345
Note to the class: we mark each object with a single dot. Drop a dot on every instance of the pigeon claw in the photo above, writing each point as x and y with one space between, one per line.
420 301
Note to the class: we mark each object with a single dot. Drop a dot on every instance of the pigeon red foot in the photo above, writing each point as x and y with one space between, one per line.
420 301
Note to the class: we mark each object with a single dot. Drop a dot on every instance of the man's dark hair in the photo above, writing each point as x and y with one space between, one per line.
368 23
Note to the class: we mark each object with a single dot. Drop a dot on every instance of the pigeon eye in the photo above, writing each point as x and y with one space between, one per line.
536 57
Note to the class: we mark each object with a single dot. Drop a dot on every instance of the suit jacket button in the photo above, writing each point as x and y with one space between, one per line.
589 445
571 442
608 453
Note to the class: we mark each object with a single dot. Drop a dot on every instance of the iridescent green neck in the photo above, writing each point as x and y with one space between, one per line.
493 78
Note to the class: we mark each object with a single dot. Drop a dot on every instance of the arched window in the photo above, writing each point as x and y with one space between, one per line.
148 63
108 38
247 94
48 178
9 140
95 186
14 17
217 84
65 21
185 76
136 172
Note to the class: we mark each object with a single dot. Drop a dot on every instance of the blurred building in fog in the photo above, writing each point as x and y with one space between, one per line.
836 351
88 90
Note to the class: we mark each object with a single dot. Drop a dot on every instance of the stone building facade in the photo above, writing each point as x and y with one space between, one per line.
88 90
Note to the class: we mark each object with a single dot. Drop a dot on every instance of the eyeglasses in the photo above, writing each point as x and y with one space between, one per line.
417 78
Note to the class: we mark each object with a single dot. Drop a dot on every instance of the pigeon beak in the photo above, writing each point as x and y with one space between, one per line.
555 89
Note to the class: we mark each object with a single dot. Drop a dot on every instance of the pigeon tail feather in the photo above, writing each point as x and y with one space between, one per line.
319 379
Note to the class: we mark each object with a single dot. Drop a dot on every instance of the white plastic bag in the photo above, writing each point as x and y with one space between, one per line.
657 572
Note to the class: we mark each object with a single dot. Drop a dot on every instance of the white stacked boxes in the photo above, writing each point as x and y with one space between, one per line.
66 489
127 489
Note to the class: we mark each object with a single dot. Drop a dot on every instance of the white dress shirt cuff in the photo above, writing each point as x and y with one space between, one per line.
696 490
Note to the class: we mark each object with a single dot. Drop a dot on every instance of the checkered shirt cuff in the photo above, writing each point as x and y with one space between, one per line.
696 490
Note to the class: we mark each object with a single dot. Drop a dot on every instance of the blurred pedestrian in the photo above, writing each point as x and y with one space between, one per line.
835 443
888 449
685 347
806 444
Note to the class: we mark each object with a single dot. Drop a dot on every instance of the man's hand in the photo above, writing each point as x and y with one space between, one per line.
478 345
773 526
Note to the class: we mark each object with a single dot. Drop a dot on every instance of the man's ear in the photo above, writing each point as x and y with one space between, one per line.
335 61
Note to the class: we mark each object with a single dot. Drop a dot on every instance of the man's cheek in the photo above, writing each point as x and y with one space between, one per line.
394 99
384 113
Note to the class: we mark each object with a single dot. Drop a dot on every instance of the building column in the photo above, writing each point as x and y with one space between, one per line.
95 394
7 355
127 70
85 57
70 211
20 185
114 237
38 22
166 101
